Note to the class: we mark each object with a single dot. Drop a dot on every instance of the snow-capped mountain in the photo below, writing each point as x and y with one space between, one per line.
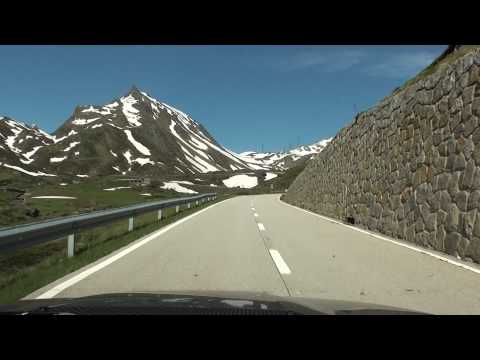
133 134
19 143
285 160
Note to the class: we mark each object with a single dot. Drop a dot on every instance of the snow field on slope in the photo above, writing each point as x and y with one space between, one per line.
139 146
242 181
59 159
84 121
177 187
129 111
270 176
38 173
72 145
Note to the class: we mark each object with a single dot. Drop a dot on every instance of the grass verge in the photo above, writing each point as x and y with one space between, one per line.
24 271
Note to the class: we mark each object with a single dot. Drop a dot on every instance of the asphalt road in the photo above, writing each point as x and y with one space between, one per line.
260 244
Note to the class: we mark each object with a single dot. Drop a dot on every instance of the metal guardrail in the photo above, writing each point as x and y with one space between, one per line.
27 235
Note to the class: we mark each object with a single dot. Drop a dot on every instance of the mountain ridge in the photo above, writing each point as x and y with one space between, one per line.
134 133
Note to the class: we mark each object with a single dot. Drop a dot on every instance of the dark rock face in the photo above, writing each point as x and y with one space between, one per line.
414 156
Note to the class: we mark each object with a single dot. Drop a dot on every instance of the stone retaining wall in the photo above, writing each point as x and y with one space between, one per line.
410 166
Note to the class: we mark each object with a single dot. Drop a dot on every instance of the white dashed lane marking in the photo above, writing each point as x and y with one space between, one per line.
279 262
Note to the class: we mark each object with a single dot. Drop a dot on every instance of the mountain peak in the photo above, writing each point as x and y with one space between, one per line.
134 91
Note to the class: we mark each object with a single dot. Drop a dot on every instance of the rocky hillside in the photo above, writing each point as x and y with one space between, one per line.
19 143
410 166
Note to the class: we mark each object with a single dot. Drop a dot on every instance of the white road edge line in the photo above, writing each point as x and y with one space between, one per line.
79 277
414 248
279 262
261 227
255 214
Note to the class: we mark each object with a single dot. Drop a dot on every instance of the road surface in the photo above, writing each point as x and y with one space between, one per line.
260 244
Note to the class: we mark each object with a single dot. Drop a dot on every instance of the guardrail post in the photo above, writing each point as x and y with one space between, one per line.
177 209
71 245
160 214
196 203
188 205
130 223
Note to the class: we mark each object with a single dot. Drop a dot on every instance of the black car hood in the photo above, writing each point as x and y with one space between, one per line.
194 302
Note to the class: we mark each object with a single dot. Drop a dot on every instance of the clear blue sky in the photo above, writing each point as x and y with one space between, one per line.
246 96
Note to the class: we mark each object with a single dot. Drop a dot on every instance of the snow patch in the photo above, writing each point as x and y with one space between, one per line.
198 143
176 111
82 176
146 194
128 156
112 105
48 136
270 176
84 121
118 188
72 145
178 188
115 126
96 126
143 161
196 161
140 147
183 182
111 152
129 111
38 173
11 139
59 159
242 181
98 111
29 154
